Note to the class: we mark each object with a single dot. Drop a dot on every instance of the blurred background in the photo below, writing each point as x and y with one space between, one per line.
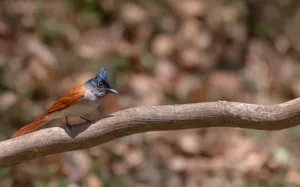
156 52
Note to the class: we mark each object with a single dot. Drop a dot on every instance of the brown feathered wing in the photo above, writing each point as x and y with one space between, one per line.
70 98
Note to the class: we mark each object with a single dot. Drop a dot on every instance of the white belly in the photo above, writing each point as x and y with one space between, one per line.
81 108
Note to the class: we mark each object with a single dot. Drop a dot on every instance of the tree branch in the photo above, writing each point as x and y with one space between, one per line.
143 119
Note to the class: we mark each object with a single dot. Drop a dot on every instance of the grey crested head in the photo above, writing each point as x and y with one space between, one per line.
101 84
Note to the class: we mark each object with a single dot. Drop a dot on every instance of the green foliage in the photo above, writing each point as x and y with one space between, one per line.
53 29
282 155
259 29
90 6
39 183
4 172
120 63
147 60
278 181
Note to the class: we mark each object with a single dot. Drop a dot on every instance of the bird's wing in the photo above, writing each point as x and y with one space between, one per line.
71 97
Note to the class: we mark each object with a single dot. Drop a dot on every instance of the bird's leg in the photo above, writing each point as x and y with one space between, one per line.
67 123
87 120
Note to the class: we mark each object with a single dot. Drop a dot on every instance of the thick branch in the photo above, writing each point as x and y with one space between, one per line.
136 120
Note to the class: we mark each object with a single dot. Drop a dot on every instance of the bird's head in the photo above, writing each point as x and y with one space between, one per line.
100 82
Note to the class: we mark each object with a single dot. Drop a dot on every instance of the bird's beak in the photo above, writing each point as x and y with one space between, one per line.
112 90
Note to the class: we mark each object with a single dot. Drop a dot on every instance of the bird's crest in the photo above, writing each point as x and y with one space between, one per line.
102 75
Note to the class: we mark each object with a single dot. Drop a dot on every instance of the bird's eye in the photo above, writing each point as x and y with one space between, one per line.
100 84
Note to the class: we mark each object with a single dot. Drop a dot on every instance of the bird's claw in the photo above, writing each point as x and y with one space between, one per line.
87 120
69 126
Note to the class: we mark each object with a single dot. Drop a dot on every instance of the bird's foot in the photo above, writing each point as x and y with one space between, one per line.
87 120
69 126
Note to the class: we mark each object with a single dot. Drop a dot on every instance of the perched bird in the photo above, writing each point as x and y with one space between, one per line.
79 101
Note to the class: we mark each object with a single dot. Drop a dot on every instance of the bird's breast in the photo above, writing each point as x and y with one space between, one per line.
83 107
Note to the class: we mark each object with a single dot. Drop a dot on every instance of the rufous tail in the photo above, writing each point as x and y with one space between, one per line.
33 125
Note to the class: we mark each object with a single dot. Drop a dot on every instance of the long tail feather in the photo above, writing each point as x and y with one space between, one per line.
33 125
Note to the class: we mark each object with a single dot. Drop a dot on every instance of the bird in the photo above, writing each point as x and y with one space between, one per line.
78 101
